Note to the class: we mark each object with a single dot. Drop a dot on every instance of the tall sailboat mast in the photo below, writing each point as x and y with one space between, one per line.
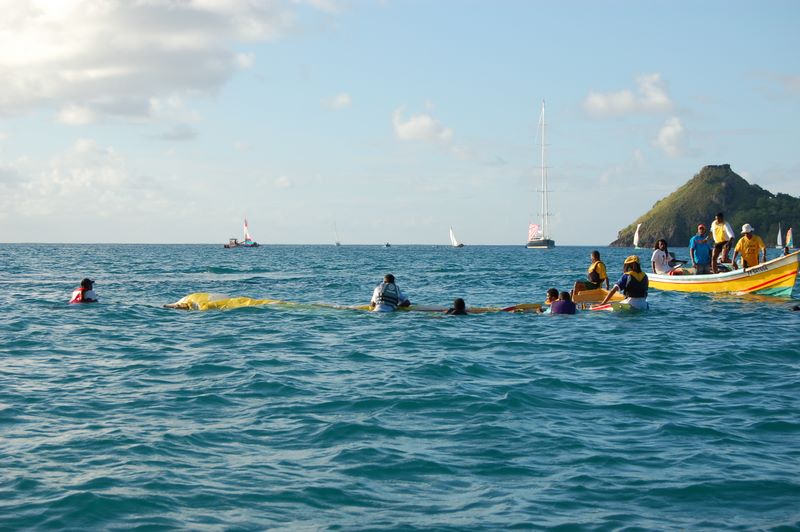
545 211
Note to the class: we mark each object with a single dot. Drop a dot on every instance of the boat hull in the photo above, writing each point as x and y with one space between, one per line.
540 243
774 278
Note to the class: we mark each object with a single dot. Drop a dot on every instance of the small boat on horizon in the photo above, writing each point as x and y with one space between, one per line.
453 240
636 237
779 242
248 241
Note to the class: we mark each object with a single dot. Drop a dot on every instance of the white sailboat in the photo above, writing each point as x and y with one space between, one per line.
779 243
636 237
453 240
248 241
539 235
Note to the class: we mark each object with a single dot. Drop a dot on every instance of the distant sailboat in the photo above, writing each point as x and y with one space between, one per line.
636 237
248 241
453 240
538 236
779 243
337 242
789 240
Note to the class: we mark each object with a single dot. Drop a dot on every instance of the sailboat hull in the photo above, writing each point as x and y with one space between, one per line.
540 243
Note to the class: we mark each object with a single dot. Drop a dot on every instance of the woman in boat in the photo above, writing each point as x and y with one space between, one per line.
633 284
661 258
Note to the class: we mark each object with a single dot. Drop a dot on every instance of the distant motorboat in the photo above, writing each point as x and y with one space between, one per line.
387 245
453 240
337 242
248 241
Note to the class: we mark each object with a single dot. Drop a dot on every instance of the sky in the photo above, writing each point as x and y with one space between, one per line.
170 121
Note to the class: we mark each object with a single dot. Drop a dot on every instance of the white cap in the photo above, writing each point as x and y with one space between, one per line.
747 228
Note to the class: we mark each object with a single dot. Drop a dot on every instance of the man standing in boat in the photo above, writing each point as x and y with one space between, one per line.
748 246
722 233
700 251
387 296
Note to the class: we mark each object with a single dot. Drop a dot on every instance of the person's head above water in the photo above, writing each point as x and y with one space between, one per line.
87 284
459 304
388 278
552 294
564 296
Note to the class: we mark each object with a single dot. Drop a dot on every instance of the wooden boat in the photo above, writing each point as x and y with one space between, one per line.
589 297
776 277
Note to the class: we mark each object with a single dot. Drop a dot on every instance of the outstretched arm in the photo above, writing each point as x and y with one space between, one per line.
610 294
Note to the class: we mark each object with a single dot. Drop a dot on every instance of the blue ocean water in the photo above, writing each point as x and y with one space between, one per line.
127 415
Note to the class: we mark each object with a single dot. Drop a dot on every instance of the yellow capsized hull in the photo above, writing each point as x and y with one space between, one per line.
208 301
776 277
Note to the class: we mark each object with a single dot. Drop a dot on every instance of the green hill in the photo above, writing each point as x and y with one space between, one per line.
714 189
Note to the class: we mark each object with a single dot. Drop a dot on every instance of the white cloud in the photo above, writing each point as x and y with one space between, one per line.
651 96
670 137
87 174
421 127
283 182
340 101
94 59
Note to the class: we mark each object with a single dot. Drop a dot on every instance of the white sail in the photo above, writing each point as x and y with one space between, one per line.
636 236
779 245
453 240
247 237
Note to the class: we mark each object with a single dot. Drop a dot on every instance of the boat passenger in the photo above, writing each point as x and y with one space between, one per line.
595 275
748 246
564 305
633 284
84 293
387 296
700 251
661 258
786 251
723 236
459 308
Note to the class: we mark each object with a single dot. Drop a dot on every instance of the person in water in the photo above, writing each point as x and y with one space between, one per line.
661 259
387 296
723 236
84 293
551 297
459 308
700 251
595 275
633 284
564 305
748 246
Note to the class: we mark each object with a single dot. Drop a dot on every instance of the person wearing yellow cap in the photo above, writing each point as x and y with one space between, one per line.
748 246
633 284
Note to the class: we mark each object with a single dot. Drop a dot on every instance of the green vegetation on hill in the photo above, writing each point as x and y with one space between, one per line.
714 189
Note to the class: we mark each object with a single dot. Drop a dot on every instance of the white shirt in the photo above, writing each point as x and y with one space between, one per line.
660 261
89 294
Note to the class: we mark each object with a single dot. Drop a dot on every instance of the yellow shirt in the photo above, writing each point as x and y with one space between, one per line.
600 269
748 248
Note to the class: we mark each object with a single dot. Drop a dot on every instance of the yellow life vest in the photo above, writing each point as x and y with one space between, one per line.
599 269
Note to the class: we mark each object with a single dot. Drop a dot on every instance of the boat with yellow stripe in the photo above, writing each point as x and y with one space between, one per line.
776 277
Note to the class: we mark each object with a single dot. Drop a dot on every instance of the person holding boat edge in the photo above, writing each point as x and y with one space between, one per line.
723 236
633 284
387 296
700 251
84 293
748 246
